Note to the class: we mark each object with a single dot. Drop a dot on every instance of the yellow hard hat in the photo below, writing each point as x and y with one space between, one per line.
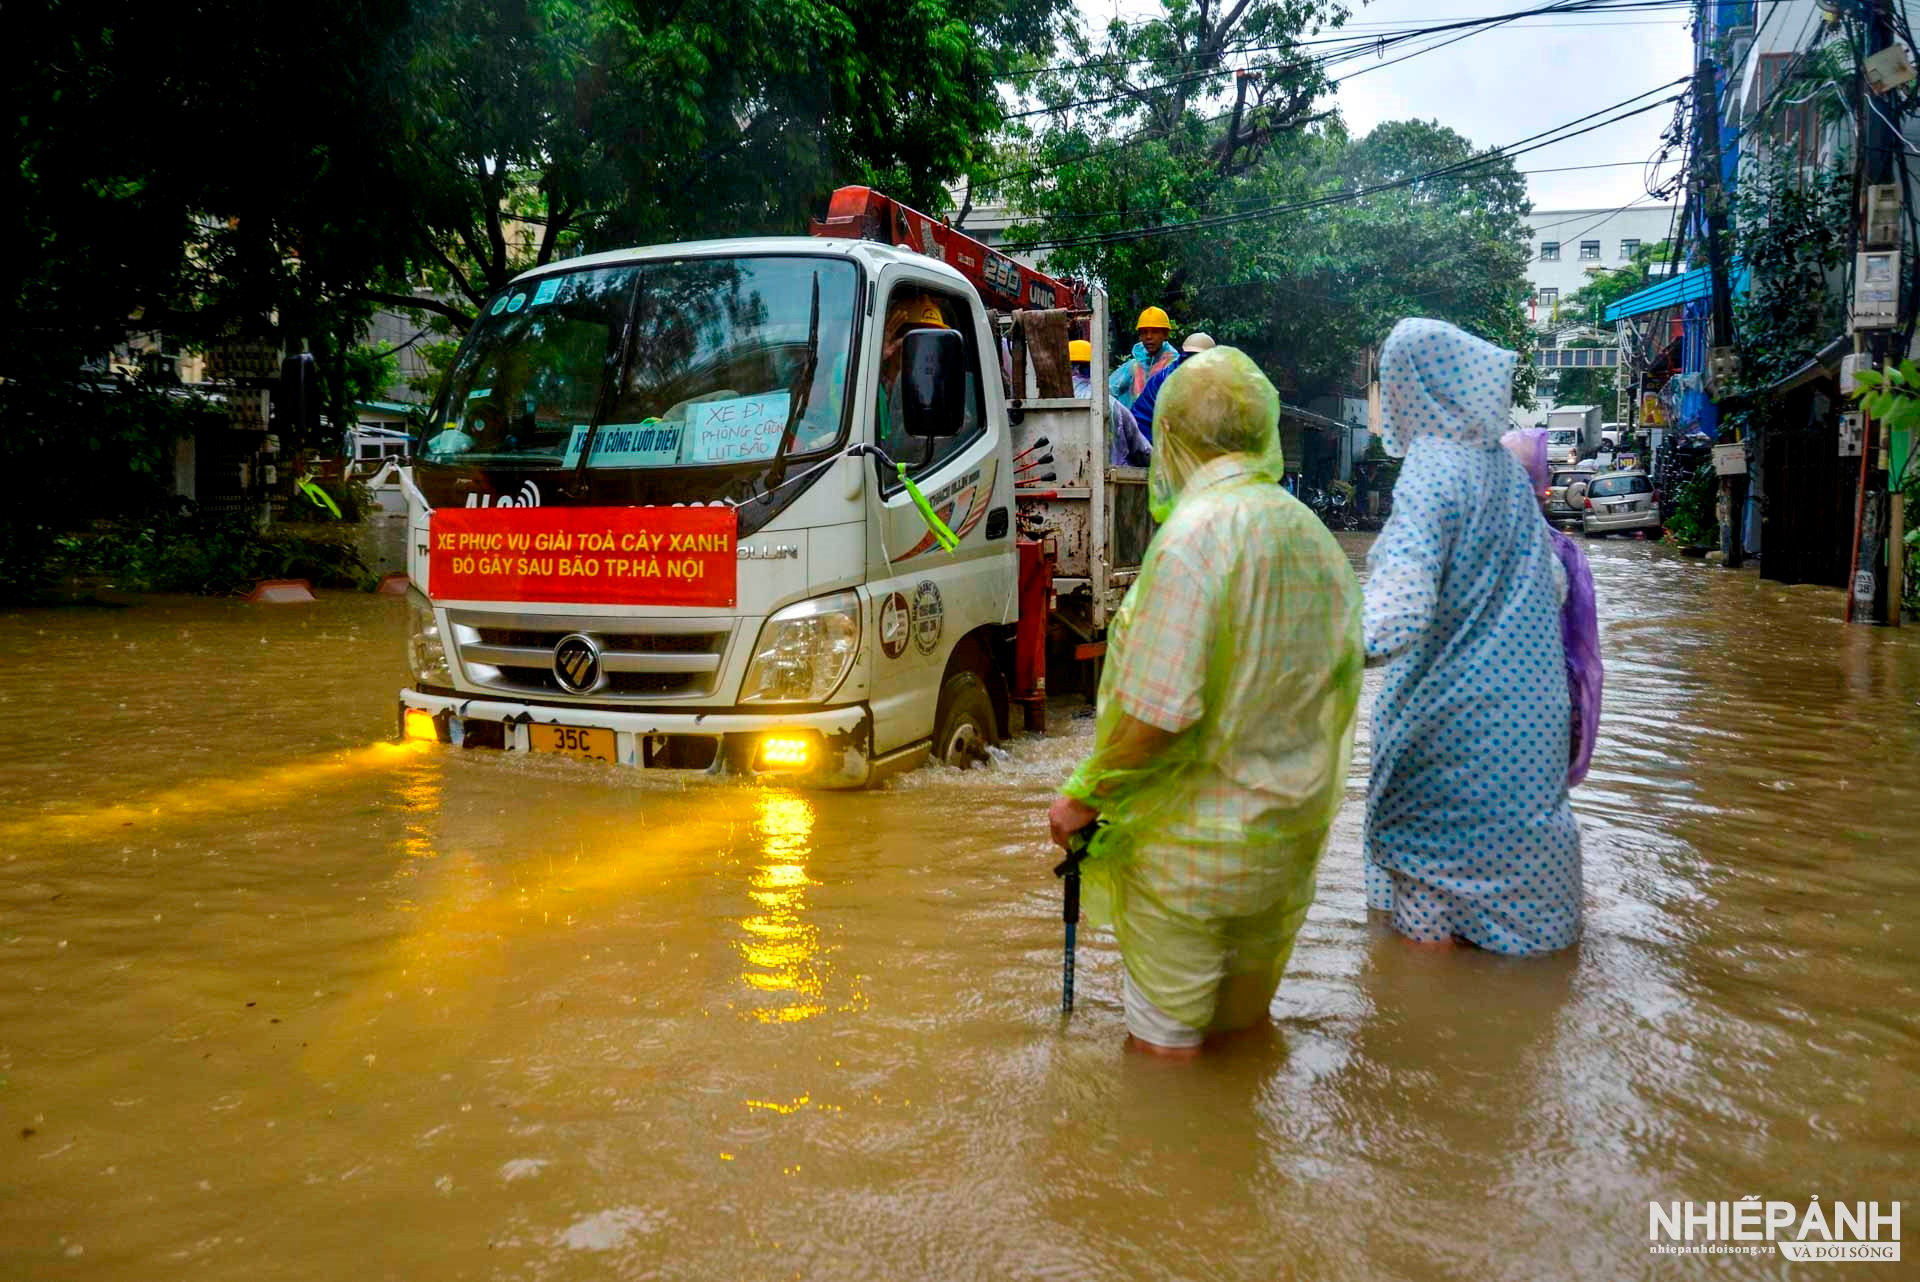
1081 351
1153 318
919 311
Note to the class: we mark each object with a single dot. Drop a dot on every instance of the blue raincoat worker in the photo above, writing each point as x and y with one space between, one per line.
1469 833
1149 398
1226 719
1150 356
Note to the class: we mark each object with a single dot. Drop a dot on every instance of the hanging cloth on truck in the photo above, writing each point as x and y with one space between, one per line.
1043 336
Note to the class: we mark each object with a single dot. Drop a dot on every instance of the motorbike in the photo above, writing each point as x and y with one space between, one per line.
1332 506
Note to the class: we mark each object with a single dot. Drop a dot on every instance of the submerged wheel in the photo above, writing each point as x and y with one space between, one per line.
963 727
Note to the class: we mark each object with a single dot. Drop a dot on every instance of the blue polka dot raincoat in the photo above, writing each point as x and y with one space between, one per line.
1469 833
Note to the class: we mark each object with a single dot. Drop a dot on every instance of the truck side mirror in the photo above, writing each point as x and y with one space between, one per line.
298 398
933 382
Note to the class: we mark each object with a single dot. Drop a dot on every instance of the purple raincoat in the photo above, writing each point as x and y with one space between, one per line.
1579 619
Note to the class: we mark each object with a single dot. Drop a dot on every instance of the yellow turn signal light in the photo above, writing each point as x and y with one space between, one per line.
418 726
786 752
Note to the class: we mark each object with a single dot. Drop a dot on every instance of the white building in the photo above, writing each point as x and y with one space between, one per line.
1572 246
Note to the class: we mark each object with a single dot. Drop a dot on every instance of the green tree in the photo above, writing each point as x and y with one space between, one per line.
1305 289
181 176
1791 232
254 170
532 127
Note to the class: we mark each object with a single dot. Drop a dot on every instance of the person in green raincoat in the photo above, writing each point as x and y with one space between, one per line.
1226 718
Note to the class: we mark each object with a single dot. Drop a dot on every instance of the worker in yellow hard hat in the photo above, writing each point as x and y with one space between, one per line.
907 311
1150 355
1148 400
1128 448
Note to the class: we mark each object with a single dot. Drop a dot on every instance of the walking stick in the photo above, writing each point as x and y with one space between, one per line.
1069 870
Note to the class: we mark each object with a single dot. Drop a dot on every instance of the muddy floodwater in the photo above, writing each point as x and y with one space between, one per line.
279 999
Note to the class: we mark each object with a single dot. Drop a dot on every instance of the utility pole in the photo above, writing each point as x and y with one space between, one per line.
1721 362
1872 594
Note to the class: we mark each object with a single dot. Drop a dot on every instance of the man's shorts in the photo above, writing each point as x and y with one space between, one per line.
1150 1024
1221 973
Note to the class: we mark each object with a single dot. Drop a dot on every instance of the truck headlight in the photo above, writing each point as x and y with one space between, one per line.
805 651
426 652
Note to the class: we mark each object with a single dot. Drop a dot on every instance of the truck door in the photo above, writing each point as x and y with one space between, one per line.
925 599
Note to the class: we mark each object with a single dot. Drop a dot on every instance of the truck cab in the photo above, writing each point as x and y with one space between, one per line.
1573 434
662 516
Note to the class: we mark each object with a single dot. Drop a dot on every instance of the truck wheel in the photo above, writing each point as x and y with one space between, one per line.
963 726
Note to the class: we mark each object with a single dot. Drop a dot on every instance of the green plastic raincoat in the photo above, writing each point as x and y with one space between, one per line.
1226 709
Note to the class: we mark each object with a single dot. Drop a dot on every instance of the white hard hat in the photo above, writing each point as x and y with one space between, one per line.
1197 342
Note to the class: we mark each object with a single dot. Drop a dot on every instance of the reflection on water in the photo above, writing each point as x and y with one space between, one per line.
275 1001
420 789
781 947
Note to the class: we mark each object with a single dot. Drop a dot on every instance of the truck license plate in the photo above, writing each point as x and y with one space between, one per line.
575 741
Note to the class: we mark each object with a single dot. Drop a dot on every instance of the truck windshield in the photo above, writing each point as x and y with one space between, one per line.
690 362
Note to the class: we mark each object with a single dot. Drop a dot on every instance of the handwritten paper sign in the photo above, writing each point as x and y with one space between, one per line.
745 430
648 444
585 555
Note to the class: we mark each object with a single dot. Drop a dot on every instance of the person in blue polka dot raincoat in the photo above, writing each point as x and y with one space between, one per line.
1469 833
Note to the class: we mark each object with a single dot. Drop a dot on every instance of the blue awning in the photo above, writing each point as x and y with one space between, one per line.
1683 288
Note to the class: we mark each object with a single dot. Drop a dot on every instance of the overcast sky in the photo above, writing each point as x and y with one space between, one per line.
1500 85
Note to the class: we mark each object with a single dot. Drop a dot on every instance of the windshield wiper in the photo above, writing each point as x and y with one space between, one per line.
610 387
799 395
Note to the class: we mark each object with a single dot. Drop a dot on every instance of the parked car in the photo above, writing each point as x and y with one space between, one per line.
1620 501
1558 507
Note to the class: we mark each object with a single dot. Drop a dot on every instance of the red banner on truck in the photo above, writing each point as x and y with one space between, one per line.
585 555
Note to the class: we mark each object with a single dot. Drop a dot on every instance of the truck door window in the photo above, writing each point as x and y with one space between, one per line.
911 306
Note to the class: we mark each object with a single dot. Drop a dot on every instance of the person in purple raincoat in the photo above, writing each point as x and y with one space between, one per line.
1579 620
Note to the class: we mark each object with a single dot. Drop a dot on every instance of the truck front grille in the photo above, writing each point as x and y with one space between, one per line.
639 658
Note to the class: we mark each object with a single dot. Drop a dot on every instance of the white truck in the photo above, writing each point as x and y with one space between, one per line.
1573 433
673 509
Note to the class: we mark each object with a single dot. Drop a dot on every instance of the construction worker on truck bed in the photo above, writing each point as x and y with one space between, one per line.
1126 446
1149 398
1150 355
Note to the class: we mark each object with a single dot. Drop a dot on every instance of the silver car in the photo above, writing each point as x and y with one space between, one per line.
1558 508
1620 501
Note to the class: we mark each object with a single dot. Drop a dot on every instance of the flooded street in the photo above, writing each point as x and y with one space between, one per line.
279 999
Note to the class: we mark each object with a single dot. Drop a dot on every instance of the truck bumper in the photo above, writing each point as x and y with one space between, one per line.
719 743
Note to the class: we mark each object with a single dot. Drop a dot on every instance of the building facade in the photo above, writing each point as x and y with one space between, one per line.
1572 246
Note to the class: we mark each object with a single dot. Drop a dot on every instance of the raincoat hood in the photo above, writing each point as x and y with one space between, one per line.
1438 380
1216 404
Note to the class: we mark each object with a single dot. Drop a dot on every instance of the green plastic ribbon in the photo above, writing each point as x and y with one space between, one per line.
944 536
320 497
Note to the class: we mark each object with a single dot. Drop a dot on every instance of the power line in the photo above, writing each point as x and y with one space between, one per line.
1359 46
1520 147
1365 41
1368 43
1160 209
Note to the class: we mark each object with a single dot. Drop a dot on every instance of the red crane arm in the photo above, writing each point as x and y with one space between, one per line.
861 213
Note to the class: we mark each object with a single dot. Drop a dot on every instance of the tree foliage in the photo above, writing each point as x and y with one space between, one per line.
279 173
1791 233
531 127
1292 269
